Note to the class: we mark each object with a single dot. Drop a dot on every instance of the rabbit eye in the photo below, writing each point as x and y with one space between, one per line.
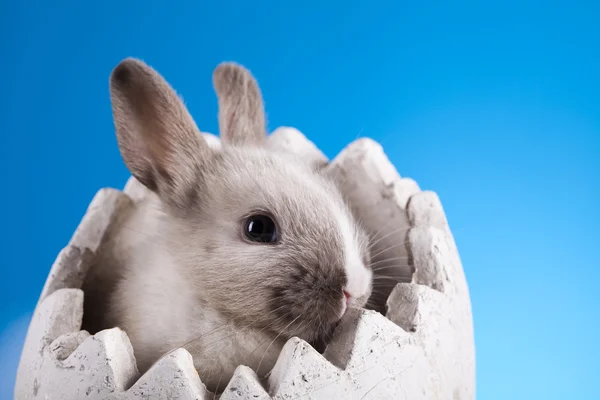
260 228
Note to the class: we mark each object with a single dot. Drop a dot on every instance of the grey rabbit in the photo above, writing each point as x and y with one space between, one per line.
237 249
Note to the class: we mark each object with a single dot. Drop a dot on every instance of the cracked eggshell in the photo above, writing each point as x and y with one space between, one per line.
422 350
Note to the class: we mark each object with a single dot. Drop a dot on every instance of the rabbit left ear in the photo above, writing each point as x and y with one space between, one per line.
241 109
157 137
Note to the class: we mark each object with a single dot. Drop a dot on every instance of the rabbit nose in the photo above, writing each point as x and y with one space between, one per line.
346 304
348 297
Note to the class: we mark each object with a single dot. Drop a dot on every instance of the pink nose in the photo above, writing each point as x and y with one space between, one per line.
348 297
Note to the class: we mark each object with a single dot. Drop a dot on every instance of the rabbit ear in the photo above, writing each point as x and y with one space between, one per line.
241 110
158 139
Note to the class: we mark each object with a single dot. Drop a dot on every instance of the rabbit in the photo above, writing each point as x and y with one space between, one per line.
239 248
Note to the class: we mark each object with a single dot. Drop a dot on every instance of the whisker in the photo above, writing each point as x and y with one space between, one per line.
383 277
273 341
261 343
380 252
388 234
384 261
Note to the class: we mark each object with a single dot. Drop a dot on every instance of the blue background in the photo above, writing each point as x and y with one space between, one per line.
494 106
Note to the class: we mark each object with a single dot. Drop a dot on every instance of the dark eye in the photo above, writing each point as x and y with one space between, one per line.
260 228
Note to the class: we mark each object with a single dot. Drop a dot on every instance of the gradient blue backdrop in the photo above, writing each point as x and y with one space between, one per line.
494 106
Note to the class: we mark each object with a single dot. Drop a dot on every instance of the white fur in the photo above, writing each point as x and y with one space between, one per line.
359 276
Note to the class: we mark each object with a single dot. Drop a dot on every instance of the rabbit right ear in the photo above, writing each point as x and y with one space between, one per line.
241 109
158 139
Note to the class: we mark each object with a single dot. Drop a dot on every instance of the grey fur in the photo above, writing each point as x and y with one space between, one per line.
186 276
